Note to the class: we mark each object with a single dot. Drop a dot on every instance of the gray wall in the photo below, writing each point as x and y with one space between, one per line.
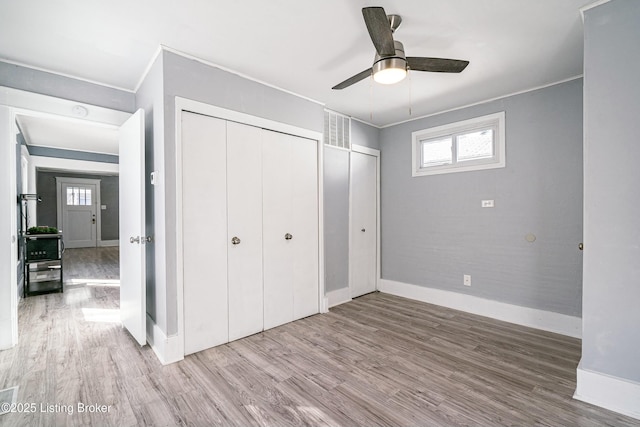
47 209
71 154
23 78
611 318
364 134
434 230
336 218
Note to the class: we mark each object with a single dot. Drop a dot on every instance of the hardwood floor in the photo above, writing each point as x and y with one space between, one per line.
379 360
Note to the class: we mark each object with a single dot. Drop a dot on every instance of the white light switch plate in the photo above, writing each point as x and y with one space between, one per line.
103 207
487 203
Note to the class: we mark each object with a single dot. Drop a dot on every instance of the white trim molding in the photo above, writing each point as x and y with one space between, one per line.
609 392
525 316
338 296
167 349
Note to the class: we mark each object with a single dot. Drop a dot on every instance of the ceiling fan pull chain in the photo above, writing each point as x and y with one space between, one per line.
410 98
371 100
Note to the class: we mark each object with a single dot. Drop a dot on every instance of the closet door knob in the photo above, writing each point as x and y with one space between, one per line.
288 236
235 241
363 230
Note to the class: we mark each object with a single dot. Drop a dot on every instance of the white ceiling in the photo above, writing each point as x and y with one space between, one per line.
307 47
69 134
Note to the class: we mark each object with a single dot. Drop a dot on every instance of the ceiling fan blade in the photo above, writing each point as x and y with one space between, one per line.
353 79
436 65
379 30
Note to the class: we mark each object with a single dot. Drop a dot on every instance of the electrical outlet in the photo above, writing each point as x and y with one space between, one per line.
466 280
487 203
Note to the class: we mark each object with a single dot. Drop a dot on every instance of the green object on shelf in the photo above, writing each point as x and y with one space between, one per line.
42 229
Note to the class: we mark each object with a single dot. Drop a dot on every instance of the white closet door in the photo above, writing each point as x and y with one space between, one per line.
277 204
363 226
290 179
204 214
304 222
244 218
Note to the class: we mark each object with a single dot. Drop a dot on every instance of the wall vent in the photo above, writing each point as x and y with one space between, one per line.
337 130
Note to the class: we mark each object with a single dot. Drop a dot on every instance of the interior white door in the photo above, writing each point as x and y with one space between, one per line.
79 209
363 224
277 203
204 219
305 225
132 227
244 219
290 220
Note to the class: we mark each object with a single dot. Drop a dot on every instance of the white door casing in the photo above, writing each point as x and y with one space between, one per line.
244 220
132 228
204 165
8 234
79 222
363 224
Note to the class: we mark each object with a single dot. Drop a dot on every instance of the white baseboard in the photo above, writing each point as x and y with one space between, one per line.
168 349
105 243
609 392
531 317
339 296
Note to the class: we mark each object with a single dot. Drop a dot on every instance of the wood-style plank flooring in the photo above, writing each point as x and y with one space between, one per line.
379 360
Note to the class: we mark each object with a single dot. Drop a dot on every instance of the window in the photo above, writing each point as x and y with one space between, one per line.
459 147
78 196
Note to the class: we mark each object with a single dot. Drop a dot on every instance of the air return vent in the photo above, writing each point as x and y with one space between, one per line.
337 130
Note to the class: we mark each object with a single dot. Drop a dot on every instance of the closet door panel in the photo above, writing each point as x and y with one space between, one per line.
204 206
304 223
277 204
244 213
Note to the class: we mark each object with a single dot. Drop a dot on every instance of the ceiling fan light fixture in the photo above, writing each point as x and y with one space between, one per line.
388 71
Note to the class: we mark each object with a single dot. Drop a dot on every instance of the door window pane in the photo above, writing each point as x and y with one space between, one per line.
78 196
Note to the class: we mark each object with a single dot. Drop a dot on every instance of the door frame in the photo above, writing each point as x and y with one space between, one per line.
375 153
34 104
60 181
185 104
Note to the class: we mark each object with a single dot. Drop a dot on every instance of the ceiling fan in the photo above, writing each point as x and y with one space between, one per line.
390 64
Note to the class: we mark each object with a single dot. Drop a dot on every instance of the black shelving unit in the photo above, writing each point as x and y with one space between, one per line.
43 264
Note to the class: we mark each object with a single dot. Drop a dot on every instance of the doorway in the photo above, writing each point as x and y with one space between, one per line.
14 103
364 221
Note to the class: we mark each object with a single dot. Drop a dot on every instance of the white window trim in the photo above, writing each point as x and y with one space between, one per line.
499 161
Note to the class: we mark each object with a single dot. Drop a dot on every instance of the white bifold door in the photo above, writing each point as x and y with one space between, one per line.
290 218
244 222
250 230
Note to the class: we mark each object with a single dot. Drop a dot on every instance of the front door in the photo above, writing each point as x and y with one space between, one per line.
79 210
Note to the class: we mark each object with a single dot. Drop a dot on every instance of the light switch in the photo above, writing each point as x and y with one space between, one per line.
103 207
487 203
